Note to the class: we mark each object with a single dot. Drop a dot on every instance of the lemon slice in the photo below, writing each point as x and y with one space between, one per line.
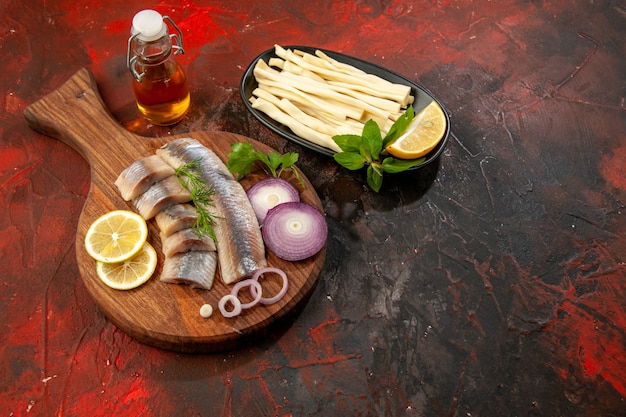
130 273
422 135
116 236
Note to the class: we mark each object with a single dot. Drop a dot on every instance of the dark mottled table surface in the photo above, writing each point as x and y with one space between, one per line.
492 283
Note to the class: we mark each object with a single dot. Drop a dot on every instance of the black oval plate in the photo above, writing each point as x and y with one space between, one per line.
422 98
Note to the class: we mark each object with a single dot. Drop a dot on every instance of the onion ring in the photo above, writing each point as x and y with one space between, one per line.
251 283
269 300
235 302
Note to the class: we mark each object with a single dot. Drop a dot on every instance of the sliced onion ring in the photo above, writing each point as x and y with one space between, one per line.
268 193
252 284
281 293
234 301
294 231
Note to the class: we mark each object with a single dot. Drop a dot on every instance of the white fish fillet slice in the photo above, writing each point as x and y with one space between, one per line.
186 240
161 195
194 268
141 174
176 217
239 242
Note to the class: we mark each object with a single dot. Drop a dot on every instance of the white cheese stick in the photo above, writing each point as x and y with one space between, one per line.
281 90
306 85
383 88
297 127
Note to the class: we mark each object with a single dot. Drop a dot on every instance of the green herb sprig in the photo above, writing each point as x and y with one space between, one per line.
366 150
201 196
243 156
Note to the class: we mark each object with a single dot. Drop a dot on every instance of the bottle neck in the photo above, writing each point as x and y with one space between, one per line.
152 52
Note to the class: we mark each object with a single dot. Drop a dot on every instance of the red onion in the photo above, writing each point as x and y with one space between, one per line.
234 301
294 231
270 192
281 293
252 284
256 291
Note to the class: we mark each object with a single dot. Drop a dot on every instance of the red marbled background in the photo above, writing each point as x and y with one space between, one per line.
490 284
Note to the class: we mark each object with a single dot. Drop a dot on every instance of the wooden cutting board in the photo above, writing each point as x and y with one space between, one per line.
159 314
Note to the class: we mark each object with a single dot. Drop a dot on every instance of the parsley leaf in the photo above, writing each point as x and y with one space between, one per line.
242 157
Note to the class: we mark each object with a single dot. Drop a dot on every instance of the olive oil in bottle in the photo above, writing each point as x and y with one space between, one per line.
159 82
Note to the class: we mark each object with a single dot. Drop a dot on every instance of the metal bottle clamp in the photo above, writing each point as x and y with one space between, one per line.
177 46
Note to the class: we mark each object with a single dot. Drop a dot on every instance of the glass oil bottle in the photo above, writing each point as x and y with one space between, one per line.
159 82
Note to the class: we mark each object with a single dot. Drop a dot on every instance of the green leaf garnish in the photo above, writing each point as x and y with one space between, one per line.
366 150
394 165
399 126
201 196
350 160
372 140
374 177
348 143
241 159
243 156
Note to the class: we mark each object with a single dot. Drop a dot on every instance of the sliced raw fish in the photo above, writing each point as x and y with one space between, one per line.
195 268
239 242
161 195
186 240
141 174
176 217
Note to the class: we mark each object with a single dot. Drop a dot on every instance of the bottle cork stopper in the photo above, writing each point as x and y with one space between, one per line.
148 25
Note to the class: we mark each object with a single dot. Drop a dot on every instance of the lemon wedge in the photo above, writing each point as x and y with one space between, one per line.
130 273
116 236
422 135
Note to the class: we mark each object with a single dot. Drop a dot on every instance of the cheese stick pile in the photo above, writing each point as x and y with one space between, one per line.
318 97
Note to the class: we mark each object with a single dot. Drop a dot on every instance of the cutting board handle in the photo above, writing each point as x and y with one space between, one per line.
76 115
